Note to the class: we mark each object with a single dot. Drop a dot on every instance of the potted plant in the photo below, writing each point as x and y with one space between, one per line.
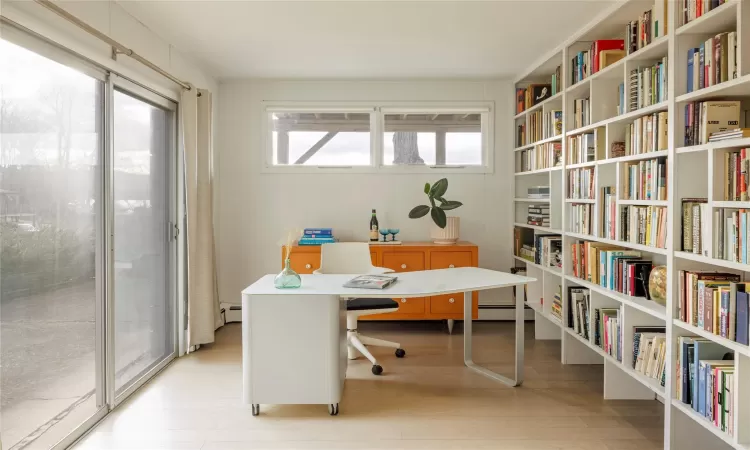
446 229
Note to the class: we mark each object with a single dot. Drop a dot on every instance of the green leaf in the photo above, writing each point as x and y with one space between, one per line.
419 211
439 188
441 199
427 188
450 204
438 216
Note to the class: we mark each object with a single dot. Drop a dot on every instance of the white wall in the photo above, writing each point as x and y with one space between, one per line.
254 208
110 18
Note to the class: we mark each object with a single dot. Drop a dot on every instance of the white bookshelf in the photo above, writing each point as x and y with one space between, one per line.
691 173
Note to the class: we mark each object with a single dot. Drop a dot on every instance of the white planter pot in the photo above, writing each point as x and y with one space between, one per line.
447 235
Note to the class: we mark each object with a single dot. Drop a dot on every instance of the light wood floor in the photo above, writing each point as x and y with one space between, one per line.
427 400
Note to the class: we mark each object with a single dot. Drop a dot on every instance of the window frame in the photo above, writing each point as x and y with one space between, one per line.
377 111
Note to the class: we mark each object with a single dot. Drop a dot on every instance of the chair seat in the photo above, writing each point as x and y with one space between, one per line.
358 304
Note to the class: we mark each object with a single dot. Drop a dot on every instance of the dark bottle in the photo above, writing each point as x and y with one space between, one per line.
374 227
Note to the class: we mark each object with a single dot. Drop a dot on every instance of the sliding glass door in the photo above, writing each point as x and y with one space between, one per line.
87 248
51 248
143 142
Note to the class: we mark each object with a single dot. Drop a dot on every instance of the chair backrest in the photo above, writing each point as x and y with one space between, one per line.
345 258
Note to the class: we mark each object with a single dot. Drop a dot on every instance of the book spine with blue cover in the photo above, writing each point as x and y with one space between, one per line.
724 314
690 62
702 61
742 318
702 388
316 241
318 231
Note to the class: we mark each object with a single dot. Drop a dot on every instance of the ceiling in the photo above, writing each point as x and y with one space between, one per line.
365 39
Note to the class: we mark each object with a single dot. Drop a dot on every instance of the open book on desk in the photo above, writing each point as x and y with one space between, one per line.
371 281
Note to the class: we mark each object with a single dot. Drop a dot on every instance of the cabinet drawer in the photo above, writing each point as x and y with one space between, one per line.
304 263
449 260
447 304
410 305
404 262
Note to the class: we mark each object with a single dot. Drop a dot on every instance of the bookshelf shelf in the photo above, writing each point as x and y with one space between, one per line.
630 245
735 346
531 200
649 307
522 148
643 202
696 173
714 21
687 409
533 172
737 87
579 165
712 261
736 205
551 270
538 228
555 98
733 143
638 157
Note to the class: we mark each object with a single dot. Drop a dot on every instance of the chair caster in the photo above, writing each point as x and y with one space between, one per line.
256 409
400 353
377 369
333 409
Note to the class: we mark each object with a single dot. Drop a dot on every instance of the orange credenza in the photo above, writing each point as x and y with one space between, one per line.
407 257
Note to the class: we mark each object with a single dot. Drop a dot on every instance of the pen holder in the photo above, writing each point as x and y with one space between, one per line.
287 278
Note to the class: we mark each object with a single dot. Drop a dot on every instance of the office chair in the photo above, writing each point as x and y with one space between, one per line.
354 258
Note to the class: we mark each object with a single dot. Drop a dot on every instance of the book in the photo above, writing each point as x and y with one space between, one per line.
371 281
315 241
705 350
318 232
735 133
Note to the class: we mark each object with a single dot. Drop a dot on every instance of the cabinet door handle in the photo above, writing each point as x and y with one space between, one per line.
403 266
451 300
308 266
403 300
451 266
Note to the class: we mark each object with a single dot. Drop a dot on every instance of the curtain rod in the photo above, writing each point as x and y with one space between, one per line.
116 46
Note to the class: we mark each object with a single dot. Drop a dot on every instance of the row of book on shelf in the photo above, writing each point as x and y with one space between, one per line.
581 218
705 380
557 304
612 267
647 86
650 352
721 233
717 302
542 156
646 180
581 183
581 112
542 249
534 94
650 25
647 134
711 119
609 211
601 54
692 9
645 225
581 148
713 62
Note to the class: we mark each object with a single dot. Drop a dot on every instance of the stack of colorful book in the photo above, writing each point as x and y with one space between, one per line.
317 236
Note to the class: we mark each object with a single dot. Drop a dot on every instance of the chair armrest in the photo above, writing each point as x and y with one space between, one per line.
317 272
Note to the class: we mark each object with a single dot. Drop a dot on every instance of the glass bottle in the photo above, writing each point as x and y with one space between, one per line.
287 278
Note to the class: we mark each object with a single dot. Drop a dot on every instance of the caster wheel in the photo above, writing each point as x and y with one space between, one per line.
400 352
377 369
256 409
333 409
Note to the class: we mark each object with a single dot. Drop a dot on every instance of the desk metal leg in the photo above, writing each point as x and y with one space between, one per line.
519 341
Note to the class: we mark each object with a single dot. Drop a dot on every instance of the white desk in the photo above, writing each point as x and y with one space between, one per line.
294 340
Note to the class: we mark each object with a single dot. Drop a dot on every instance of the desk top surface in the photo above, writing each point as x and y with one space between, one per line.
410 284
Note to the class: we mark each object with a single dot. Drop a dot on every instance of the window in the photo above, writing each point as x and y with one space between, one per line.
380 137
433 139
307 138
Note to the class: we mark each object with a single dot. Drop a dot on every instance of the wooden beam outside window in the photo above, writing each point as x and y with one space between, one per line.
314 149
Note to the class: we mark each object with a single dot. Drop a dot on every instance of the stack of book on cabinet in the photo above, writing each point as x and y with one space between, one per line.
716 302
317 236
649 352
579 304
705 380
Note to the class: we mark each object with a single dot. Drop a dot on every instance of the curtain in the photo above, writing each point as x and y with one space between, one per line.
203 314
